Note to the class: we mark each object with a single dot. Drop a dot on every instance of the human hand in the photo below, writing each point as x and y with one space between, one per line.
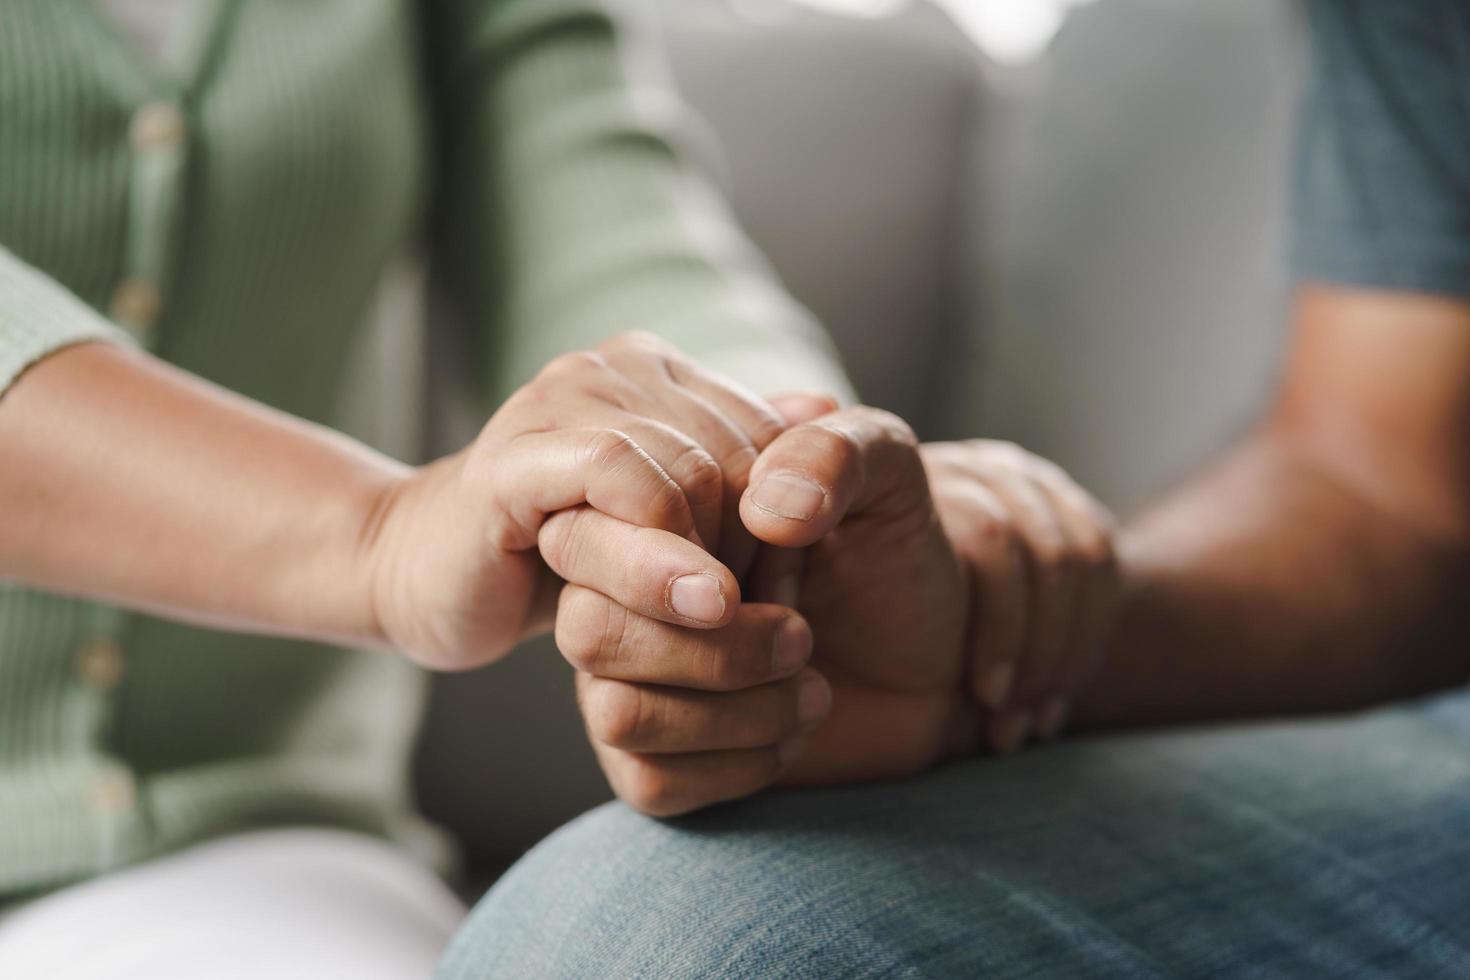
681 719
1038 550
618 471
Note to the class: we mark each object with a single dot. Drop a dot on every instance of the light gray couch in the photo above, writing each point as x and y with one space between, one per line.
1081 254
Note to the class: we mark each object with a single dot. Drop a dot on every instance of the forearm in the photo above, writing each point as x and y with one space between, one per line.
126 480
1270 586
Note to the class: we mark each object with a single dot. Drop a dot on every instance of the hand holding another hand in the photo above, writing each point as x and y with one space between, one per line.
617 470
681 719
1044 584
942 619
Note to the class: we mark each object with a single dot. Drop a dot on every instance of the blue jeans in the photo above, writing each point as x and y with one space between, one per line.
1314 849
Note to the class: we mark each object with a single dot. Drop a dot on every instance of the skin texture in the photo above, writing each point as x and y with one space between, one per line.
139 484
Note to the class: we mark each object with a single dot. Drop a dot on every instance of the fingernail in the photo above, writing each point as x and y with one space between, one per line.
813 700
995 684
1054 718
1011 732
697 597
791 648
788 495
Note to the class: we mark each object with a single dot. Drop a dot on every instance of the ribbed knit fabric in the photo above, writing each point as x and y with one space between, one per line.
233 210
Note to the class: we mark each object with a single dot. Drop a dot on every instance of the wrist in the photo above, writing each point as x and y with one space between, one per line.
329 587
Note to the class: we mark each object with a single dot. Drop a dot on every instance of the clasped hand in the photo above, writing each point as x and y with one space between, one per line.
751 592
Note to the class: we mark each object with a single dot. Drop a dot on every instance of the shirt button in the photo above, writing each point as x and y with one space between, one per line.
136 303
157 126
100 664
114 792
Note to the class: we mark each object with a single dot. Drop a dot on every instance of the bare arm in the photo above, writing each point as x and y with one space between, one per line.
1325 563
125 479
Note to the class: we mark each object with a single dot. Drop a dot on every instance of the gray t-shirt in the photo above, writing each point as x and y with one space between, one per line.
1383 172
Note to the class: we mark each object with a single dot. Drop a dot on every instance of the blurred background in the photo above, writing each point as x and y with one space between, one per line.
1052 221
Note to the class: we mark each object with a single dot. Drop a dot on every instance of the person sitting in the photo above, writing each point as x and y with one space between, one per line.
1320 568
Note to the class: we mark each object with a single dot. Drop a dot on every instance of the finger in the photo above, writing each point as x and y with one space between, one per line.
650 571
689 464
762 643
733 450
979 524
1008 731
1088 528
859 460
658 365
755 416
798 407
589 388
1051 581
653 719
545 472
670 785
728 424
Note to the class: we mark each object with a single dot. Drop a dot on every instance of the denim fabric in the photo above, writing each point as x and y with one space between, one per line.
1316 849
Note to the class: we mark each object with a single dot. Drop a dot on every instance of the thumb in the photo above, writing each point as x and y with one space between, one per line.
855 461
801 406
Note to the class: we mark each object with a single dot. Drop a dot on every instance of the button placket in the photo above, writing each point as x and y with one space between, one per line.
113 798
158 137
101 663
115 791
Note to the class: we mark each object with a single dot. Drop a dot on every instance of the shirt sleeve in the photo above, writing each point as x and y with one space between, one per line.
567 211
39 317
1382 193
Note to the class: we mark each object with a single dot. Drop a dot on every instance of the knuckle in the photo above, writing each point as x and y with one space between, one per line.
1096 553
992 529
944 458
591 630
730 670
897 429
612 637
837 444
1001 449
613 449
616 452
572 364
1048 549
559 541
702 479
573 638
636 341
765 426
619 715
650 788
1054 563
669 507
626 716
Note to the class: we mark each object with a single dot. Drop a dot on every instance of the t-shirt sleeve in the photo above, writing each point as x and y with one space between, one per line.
39 317
1382 185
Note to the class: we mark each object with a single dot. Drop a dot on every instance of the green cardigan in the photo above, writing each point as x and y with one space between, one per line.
234 212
